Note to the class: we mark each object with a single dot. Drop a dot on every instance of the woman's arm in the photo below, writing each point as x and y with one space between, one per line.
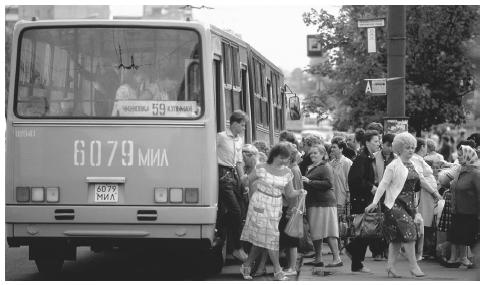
320 180
290 192
383 186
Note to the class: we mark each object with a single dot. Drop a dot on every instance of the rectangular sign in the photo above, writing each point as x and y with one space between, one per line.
313 45
371 23
372 40
141 108
395 126
376 86
106 193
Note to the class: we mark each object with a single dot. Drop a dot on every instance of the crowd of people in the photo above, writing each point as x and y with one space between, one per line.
429 200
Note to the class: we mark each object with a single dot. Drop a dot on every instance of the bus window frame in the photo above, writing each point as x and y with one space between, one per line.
110 118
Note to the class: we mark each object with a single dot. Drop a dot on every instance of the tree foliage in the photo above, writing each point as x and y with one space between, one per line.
438 70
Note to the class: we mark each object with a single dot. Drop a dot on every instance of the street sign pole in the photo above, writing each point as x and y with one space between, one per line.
396 64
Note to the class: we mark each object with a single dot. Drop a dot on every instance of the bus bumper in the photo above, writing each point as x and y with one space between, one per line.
82 224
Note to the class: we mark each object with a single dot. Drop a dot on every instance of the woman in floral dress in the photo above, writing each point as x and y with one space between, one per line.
271 181
402 178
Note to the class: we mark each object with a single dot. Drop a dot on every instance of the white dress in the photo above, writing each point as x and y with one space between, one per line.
265 209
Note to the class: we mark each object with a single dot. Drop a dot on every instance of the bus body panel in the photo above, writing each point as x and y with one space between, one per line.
145 156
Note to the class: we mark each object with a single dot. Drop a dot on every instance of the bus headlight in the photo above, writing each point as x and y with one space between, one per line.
22 194
175 195
160 195
37 194
52 194
192 195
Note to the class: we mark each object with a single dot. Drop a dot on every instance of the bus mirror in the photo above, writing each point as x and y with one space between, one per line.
294 103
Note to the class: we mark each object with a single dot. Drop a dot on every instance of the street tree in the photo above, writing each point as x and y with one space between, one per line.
438 70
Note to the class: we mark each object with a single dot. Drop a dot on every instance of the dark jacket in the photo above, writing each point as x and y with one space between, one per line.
305 162
361 178
467 192
320 188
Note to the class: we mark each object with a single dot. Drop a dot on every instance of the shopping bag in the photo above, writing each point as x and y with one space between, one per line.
294 227
368 225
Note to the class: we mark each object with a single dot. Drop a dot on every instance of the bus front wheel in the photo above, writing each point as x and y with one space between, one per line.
49 267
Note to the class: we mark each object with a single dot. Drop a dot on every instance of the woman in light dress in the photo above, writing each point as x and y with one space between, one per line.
271 180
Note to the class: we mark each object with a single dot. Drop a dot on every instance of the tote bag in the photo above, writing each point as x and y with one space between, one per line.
294 227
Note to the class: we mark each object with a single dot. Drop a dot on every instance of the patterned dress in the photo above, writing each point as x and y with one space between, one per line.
398 224
264 210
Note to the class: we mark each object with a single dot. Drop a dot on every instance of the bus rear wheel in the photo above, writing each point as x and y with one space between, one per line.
49 267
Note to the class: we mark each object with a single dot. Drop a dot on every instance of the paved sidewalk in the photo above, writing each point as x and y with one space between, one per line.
432 269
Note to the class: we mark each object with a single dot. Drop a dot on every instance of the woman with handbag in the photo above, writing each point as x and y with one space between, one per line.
402 178
287 242
271 180
321 206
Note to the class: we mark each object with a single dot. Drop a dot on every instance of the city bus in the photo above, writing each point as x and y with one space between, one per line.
111 133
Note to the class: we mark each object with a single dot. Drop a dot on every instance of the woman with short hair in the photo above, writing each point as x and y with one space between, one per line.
271 180
321 206
401 180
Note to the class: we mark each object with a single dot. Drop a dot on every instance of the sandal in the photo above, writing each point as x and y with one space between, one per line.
280 276
465 262
246 272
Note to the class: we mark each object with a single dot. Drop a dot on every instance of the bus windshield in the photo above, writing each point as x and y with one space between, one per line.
109 72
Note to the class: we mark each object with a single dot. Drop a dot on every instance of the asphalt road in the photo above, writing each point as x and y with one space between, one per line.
120 265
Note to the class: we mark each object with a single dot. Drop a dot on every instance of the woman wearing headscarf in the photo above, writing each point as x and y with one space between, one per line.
464 229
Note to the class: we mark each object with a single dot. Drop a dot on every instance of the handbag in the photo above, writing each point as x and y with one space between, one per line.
294 227
369 225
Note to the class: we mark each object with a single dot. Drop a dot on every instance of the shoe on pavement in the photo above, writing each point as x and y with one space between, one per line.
290 272
315 263
363 270
339 264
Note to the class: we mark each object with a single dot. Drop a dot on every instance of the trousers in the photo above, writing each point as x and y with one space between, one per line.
229 215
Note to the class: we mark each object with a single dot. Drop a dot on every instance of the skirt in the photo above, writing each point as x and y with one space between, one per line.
262 221
446 217
398 225
464 229
323 222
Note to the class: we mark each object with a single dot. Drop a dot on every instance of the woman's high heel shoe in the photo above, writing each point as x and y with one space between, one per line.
417 273
392 273
246 272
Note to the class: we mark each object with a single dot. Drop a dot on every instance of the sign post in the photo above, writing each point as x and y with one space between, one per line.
370 25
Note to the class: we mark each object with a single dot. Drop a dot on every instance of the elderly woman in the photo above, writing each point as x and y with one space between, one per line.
321 206
465 187
402 178
428 197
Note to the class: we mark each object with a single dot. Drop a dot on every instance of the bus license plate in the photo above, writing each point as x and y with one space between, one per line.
106 193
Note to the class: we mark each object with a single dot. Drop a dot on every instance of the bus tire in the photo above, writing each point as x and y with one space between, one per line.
49 267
